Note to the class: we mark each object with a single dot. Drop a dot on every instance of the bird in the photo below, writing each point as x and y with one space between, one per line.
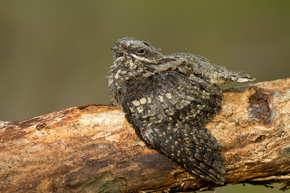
168 99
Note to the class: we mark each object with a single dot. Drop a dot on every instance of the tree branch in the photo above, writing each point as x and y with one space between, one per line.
93 148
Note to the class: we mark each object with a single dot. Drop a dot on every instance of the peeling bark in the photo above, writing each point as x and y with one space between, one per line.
93 148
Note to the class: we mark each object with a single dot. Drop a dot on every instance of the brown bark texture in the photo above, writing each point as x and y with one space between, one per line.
93 148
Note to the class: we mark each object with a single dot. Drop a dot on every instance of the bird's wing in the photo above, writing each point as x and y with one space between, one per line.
168 111
201 67
218 74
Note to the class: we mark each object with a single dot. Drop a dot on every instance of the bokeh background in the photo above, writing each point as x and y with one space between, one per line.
56 54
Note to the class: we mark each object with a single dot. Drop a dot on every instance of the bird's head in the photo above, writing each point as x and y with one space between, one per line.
136 50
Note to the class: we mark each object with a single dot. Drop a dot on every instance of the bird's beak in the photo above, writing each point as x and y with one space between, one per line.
117 51
114 48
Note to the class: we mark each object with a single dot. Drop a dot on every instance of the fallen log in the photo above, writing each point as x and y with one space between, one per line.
93 148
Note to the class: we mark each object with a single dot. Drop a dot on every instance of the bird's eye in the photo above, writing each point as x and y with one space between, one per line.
140 51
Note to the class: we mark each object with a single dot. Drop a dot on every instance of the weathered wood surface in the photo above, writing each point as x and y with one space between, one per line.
92 148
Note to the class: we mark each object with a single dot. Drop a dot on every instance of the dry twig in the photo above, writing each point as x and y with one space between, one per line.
92 148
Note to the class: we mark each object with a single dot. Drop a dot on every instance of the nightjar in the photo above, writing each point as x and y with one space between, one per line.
168 99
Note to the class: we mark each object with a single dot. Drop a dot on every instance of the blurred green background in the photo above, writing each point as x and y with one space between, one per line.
56 54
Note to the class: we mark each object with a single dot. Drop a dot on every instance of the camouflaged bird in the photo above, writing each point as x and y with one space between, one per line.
168 99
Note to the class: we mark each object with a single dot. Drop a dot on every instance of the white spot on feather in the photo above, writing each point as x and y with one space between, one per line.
168 95
143 101
135 103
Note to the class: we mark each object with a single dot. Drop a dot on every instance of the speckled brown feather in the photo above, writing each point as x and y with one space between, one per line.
169 99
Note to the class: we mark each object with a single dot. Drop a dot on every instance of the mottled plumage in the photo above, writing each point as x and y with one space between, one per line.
168 99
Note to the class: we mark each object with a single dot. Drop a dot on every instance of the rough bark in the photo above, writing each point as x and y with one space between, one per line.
92 148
